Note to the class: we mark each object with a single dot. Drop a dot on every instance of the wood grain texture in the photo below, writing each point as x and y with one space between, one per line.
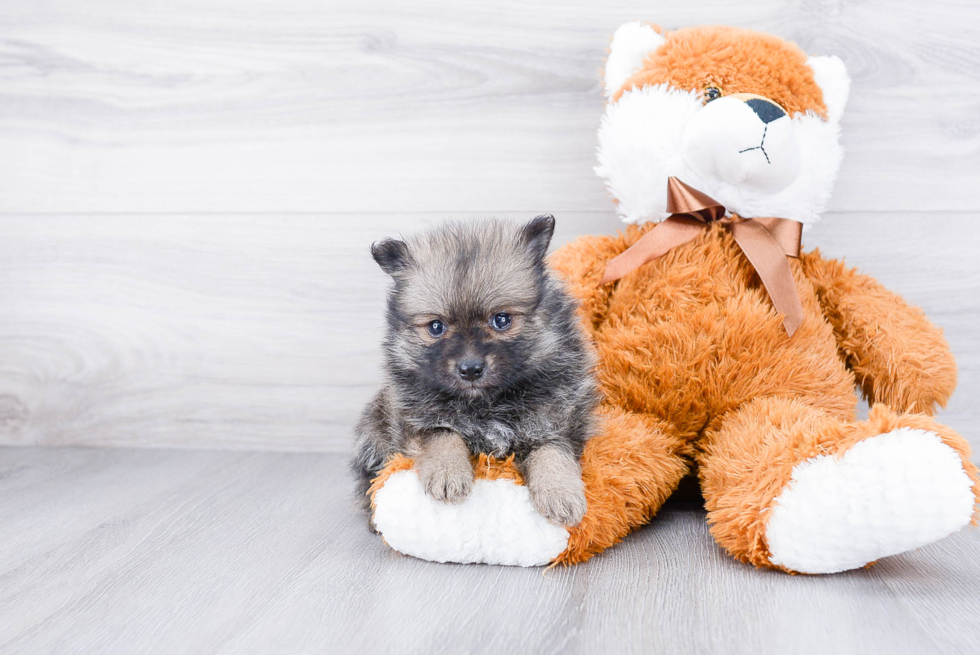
122 551
239 331
378 106
260 331
187 193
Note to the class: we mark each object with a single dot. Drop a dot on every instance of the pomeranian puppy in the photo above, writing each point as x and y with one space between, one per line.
482 354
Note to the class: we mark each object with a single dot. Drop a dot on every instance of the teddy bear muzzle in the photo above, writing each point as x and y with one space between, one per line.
745 140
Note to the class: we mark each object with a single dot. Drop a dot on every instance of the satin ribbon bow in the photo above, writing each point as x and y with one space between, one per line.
766 243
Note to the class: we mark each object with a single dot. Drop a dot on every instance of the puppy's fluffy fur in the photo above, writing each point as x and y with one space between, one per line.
482 354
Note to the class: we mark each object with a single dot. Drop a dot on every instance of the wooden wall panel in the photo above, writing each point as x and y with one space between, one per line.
437 105
188 189
260 331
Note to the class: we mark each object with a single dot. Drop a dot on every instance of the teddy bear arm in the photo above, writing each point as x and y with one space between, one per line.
581 264
898 356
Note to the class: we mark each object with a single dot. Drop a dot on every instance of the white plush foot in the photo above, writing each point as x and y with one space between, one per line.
886 495
496 524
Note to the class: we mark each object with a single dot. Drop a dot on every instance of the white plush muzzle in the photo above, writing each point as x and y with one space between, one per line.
784 168
755 149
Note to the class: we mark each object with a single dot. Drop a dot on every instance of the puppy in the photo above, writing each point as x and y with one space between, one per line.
482 354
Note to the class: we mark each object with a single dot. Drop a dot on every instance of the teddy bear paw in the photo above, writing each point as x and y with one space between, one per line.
497 524
888 494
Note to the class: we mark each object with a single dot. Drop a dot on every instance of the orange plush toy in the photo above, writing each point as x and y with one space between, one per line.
722 348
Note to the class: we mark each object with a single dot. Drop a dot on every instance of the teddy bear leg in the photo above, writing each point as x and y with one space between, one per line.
792 487
629 467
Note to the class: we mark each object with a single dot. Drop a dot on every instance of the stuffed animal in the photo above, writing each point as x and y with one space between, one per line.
723 349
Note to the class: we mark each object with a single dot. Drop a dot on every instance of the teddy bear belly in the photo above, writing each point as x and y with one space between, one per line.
687 352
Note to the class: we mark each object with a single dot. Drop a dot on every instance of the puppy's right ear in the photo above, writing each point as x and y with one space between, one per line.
391 255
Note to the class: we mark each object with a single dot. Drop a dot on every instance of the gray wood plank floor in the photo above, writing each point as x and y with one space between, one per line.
123 551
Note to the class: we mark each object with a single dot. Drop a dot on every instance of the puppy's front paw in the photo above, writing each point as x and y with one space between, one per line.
561 503
446 479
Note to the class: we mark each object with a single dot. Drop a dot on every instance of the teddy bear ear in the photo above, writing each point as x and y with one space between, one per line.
832 78
631 44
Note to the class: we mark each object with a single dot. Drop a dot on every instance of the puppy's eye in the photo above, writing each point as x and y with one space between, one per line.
437 328
500 321
711 93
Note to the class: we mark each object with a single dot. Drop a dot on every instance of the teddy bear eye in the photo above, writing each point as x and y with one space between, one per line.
711 93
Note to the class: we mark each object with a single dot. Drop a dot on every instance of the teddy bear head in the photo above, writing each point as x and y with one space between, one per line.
742 116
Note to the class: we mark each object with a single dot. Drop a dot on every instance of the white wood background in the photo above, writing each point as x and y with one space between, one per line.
188 189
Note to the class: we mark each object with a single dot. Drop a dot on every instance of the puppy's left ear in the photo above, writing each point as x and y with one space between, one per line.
537 235
392 255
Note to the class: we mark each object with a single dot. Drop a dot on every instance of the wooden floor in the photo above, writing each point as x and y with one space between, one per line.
188 189
123 551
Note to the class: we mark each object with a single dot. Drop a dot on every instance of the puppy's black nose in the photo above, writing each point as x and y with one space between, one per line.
471 369
765 110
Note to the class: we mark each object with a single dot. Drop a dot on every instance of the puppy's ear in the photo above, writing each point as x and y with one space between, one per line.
391 254
537 235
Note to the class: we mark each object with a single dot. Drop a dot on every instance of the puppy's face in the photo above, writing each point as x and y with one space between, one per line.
463 313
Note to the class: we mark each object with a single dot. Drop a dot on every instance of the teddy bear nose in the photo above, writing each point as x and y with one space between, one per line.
766 110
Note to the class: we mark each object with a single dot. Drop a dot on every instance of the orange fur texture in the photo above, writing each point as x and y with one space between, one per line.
696 368
485 467
694 357
734 61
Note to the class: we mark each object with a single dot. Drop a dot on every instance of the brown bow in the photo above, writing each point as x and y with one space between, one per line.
764 241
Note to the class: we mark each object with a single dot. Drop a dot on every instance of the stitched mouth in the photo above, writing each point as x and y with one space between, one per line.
761 144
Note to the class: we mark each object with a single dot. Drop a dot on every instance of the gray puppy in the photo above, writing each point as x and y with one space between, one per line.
482 353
